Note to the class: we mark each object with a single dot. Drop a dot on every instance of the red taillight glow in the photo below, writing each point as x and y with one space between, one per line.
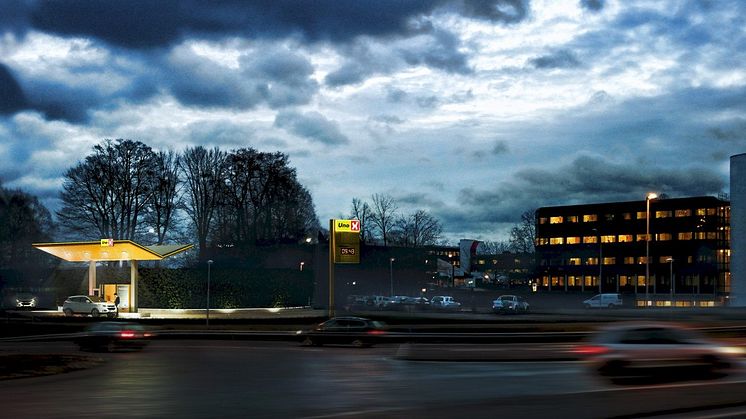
376 332
127 334
591 350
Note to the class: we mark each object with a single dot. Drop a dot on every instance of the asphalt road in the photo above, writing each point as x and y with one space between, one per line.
248 379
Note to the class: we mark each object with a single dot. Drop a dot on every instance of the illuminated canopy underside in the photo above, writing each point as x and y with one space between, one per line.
122 250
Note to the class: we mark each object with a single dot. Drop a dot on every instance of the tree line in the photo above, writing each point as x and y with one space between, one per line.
237 199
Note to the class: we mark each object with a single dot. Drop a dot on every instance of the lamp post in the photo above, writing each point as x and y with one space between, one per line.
207 317
648 198
391 275
673 284
301 266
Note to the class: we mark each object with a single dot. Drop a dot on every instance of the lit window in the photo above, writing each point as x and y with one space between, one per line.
663 237
610 261
573 281
590 239
543 220
629 260
556 240
640 237
572 218
641 215
573 240
685 236
590 218
627 216
555 220
625 238
662 214
543 241
608 239
609 217
711 235
591 261
701 211
574 261
700 235
623 280
481 261
640 280
664 259
711 211
683 213
642 260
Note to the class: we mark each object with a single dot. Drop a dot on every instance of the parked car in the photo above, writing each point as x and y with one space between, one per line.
112 336
26 300
510 304
603 301
357 331
396 302
88 304
641 349
377 301
444 302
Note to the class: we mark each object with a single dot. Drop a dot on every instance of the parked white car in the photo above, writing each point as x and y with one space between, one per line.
510 304
444 302
603 301
88 304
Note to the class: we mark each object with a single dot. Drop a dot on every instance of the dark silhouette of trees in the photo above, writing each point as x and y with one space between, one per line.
107 193
383 215
166 187
361 211
418 229
23 221
523 234
204 172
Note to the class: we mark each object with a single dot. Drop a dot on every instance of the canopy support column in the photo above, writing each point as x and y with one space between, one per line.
133 286
91 276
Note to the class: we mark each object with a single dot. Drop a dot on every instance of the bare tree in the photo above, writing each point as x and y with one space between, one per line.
23 221
107 193
494 247
203 176
361 211
166 190
418 229
523 234
383 215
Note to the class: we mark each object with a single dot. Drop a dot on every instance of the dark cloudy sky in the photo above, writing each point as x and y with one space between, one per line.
475 110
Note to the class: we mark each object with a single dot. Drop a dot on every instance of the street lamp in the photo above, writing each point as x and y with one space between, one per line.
207 317
648 198
673 284
391 275
301 266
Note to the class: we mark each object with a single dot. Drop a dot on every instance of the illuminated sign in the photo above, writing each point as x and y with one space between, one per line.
107 242
347 226
346 243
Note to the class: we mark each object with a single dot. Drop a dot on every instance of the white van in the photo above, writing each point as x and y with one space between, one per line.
603 300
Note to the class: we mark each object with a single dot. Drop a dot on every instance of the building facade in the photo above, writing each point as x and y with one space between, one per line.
665 251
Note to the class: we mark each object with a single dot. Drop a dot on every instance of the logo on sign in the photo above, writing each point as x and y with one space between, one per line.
355 225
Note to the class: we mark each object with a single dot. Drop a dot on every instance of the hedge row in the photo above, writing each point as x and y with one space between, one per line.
187 287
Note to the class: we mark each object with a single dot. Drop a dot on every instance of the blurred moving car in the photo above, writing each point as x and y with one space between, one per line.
88 304
603 301
641 349
510 304
112 336
26 300
444 302
357 331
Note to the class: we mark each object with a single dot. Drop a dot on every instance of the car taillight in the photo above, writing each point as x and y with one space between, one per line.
376 332
127 334
591 350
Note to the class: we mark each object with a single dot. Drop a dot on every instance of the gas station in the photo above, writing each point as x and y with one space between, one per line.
110 250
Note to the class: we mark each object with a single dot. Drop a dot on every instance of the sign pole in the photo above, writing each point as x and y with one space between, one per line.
332 248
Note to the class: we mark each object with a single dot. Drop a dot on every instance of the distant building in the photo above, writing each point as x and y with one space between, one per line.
505 269
602 248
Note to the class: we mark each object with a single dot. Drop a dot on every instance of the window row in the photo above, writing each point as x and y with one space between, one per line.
639 215
626 260
626 238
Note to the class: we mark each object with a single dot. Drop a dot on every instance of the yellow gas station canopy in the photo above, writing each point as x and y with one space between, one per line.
108 250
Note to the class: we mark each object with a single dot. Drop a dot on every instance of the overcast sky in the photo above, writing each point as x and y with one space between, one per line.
473 110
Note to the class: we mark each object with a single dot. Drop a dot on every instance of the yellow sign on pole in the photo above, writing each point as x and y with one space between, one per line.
107 242
346 241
